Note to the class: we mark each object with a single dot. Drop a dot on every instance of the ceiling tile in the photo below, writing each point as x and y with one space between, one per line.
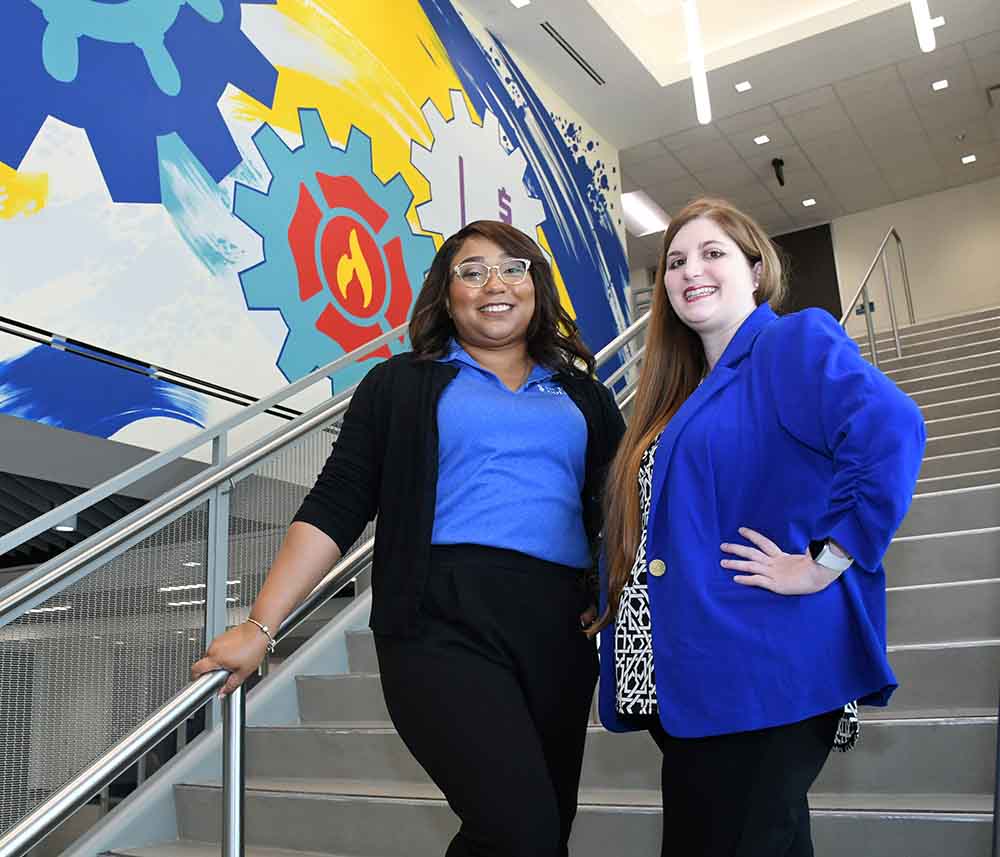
750 195
698 134
983 45
918 159
719 180
705 155
862 196
987 69
906 186
673 195
748 120
871 104
628 183
960 80
835 147
657 171
779 135
848 170
901 129
872 81
768 212
642 152
935 62
819 122
806 101
958 108
945 142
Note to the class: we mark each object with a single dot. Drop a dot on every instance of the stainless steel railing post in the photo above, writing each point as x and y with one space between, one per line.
892 305
233 771
906 279
870 325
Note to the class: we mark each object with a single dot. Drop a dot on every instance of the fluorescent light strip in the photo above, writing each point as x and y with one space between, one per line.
182 588
647 217
184 603
519 4
696 56
52 609
925 28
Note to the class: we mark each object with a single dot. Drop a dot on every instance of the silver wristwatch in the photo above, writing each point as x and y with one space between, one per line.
822 554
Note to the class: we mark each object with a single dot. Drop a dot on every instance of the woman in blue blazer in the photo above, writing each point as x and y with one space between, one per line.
764 471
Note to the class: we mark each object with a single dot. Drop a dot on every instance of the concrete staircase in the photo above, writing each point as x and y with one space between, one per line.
920 784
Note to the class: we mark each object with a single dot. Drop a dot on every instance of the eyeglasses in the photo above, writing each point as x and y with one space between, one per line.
477 274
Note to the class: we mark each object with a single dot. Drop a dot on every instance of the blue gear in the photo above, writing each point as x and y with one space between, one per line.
273 283
128 76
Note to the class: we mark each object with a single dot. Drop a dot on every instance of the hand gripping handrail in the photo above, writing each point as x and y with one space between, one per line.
862 293
69 798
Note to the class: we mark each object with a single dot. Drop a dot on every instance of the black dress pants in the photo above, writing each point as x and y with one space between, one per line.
493 697
743 794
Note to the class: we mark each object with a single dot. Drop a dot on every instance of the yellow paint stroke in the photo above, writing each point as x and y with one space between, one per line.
394 62
564 297
22 193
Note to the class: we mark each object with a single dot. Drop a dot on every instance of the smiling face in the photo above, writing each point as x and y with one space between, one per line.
495 315
709 282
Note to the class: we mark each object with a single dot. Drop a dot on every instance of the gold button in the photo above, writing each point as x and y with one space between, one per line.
657 567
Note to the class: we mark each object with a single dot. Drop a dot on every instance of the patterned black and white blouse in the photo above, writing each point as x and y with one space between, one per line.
634 675
633 627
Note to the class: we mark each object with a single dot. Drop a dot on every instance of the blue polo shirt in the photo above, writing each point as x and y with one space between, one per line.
510 464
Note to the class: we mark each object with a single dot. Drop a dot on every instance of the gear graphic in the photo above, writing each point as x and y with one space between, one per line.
473 175
338 251
128 73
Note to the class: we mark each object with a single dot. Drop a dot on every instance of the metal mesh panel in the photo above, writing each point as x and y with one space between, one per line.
261 508
85 667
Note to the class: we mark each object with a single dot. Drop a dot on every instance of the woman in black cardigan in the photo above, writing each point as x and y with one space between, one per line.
482 452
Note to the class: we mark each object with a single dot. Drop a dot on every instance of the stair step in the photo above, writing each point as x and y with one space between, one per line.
961 406
944 364
951 511
936 391
190 848
945 426
907 754
943 557
935 379
951 464
943 349
968 610
387 826
980 439
962 677
341 698
361 657
952 325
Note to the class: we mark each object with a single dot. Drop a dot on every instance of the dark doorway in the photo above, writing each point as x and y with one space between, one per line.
812 271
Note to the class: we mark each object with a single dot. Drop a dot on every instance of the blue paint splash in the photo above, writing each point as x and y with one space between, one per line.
66 391
578 225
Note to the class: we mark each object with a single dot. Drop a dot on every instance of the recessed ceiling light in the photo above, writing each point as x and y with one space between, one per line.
938 21
519 4
809 203
61 609
968 159
938 85
762 139
744 86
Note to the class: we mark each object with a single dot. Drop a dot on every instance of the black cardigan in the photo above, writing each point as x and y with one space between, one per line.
385 463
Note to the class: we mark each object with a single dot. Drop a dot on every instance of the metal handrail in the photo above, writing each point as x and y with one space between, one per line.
87 351
139 471
68 799
77 792
862 293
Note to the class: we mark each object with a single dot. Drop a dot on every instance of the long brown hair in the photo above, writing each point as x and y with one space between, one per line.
553 339
672 368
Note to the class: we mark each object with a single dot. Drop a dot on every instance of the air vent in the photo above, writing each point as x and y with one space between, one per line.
573 53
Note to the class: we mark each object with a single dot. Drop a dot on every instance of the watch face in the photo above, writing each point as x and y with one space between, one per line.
815 549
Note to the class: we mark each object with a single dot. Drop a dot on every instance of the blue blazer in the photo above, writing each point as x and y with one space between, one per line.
795 435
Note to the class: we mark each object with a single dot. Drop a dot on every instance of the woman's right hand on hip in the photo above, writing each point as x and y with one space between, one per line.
239 650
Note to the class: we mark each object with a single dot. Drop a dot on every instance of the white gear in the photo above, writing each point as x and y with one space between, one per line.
472 174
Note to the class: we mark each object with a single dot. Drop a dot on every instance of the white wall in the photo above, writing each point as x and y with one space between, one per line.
951 240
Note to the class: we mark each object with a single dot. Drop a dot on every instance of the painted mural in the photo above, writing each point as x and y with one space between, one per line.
245 191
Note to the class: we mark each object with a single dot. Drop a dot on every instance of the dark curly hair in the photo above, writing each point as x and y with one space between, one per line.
553 338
